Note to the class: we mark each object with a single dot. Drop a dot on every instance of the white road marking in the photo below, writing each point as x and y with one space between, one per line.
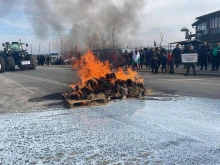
43 79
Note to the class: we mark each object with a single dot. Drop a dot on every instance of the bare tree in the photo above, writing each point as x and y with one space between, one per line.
161 37
104 38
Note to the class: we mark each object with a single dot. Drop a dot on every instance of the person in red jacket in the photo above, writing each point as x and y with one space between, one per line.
169 58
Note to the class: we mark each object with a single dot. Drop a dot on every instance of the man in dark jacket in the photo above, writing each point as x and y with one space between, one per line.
188 65
154 62
177 55
127 59
147 57
142 58
204 52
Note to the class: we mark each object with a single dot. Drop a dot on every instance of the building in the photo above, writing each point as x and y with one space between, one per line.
208 27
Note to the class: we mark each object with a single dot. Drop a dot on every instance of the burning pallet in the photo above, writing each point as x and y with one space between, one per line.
73 103
115 96
98 82
103 89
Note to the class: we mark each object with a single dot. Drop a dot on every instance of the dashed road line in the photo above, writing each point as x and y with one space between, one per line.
43 79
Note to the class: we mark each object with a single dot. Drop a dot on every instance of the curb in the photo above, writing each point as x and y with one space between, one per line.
182 73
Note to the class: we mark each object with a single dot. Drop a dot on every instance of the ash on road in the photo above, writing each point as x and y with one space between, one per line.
128 131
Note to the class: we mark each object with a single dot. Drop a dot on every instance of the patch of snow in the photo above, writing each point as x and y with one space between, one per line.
180 131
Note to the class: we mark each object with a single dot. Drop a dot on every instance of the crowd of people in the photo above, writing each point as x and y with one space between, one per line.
160 58
42 60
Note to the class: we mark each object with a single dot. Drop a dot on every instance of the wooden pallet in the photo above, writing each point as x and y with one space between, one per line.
147 92
73 103
115 97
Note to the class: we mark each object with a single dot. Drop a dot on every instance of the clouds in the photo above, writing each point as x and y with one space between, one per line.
53 20
171 16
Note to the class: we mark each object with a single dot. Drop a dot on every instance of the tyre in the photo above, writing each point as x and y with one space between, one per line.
2 63
9 64
32 61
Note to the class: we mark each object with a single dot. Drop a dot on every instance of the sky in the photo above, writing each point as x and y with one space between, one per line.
167 16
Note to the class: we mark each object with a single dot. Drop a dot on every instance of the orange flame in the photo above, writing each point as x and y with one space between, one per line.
90 67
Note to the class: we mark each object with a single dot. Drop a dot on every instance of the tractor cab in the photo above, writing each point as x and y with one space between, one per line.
15 54
14 46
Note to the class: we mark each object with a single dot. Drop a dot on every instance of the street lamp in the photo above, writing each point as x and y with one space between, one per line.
61 46
31 48
186 33
113 39
49 47
39 48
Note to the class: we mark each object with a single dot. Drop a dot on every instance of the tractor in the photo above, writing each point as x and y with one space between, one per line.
14 54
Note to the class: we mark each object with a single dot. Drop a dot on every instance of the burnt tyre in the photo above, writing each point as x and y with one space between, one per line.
32 62
2 65
9 64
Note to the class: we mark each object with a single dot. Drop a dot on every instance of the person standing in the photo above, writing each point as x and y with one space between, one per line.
130 57
43 60
127 60
38 60
171 69
154 62
204 52
136 59
188 65
48 60
177 55
169 58
141 58
216 57
164 63
159 56
151 54
147 57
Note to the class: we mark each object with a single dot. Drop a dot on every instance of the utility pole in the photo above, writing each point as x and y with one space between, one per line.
113 38
49 47
76 51
61 47
39 48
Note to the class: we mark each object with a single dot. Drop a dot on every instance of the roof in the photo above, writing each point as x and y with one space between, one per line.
186 42
195 23
207 15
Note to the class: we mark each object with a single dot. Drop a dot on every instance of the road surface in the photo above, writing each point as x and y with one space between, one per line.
178 124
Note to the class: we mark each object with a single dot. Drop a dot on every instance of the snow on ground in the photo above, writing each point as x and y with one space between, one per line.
180 131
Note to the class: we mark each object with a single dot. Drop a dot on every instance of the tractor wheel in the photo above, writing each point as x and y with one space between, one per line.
33 62
2 63
9 64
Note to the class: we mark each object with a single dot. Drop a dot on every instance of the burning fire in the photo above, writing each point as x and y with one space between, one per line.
97 80
89 67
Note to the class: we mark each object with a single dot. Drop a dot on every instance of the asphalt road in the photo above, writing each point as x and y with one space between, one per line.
52 80
177 124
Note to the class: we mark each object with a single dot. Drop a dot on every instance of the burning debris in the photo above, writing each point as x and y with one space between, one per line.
97 79
120 88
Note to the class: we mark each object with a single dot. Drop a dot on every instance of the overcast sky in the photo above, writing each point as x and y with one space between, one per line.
158 15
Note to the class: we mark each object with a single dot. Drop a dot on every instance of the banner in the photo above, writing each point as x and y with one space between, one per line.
189 58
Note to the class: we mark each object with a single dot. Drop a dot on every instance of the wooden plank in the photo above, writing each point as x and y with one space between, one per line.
115 97
147 92
72 103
